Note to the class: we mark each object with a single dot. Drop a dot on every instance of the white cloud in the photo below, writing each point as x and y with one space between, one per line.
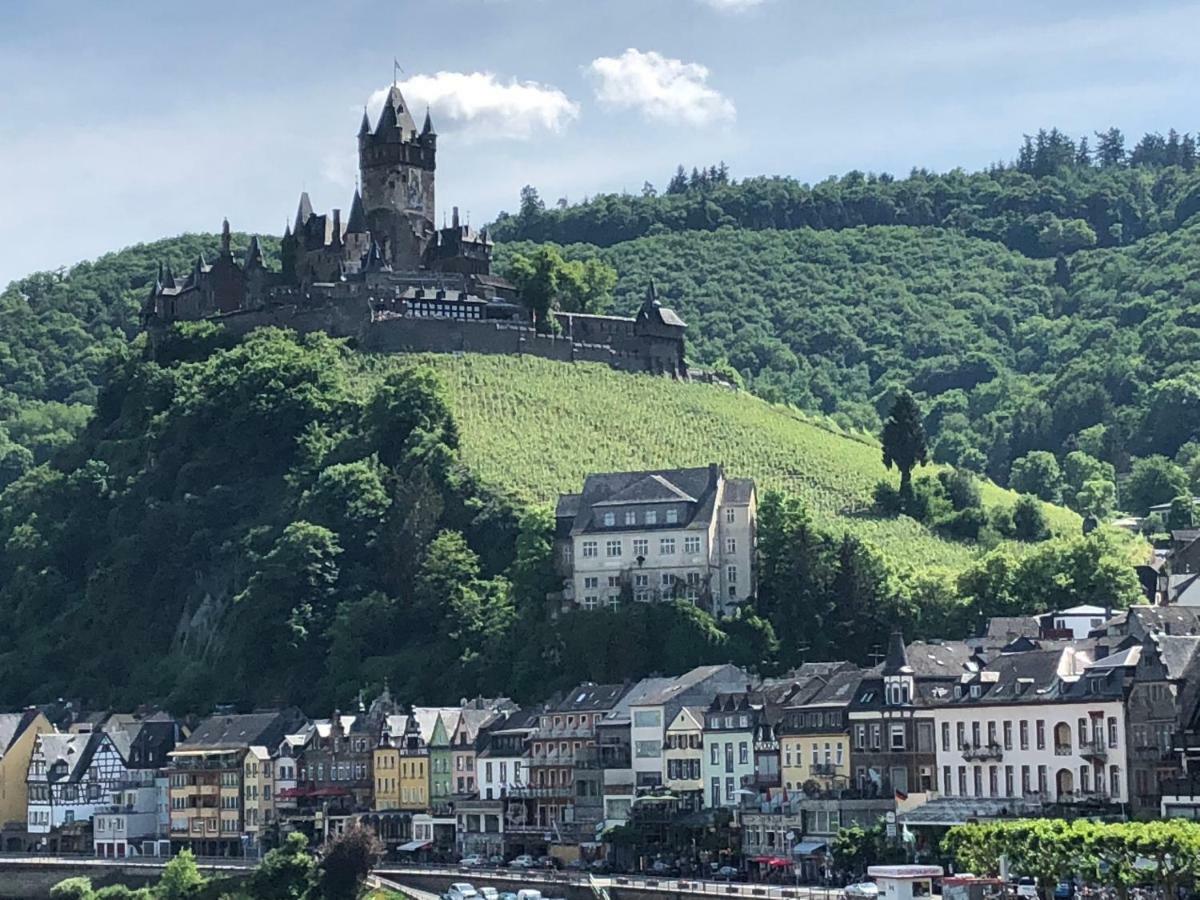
662 89
734 6
479 105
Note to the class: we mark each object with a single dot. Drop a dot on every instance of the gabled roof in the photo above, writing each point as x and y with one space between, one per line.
650 488
75 749
695 489
689 718
659 691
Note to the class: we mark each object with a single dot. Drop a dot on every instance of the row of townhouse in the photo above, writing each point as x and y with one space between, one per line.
1073 713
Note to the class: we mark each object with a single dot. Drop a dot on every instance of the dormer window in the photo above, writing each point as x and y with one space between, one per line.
630 517
610 519
672 515
975 691
652 517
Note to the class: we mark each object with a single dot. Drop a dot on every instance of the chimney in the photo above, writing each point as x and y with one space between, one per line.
337 227
454 217
1101 651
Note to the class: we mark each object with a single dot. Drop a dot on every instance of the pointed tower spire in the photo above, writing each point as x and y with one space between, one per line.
365 128
303 212
357 223
896 661
168 279
254 255
427 128
225 238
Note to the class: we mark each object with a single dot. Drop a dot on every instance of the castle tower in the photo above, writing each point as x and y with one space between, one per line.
397 165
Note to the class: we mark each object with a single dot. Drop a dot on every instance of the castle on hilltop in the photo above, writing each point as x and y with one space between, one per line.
390 280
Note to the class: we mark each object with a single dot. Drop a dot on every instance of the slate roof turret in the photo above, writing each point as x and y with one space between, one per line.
896 662
357 223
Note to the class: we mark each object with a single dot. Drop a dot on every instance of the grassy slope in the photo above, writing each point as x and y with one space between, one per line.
536 428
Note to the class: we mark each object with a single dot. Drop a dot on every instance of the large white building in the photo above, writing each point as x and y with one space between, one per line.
673 533
1030 731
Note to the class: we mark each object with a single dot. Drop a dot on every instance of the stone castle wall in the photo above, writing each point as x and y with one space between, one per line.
399 334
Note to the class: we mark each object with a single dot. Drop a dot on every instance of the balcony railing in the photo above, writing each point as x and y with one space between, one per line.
1099 795
983 752
822 769
1062 750
1096 749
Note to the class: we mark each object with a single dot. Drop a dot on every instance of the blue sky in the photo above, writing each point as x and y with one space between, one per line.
126 122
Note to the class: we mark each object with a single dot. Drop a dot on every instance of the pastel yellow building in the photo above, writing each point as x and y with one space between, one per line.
814 736
387 775
18 734
258 792
402 769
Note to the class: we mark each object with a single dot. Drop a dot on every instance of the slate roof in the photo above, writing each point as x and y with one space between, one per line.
662 485
75 749
738 491
1166 619
1176 652
590 697
664 690
943 659
1008 628
239 731
651 488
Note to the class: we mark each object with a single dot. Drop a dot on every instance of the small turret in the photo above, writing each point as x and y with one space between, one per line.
303 213
225 238
365 128
358 217
335 239
427 128
254 255
168 278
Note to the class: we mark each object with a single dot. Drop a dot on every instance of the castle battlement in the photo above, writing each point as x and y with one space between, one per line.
390 280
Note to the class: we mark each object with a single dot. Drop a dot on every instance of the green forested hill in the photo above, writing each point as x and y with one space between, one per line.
282 519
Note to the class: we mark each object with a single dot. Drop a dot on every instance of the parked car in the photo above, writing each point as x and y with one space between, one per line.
529 894
727 873
460 890
547 862
473 861
1027 887
489 893
496 860
507 895
524 861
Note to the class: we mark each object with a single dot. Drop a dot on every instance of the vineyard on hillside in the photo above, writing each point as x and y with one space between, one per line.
535 428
